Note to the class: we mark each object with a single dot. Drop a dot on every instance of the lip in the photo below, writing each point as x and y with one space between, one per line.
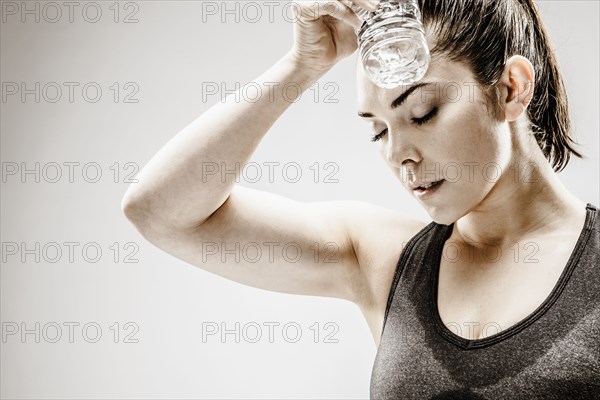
415 184
427 193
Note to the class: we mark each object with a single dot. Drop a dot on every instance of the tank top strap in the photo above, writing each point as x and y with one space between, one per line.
414 252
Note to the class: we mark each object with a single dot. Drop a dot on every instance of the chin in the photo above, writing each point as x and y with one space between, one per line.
447 212
444 215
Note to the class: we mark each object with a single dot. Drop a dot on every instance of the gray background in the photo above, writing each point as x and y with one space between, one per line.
168 54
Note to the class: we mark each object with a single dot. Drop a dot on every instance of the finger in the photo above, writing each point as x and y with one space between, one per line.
335 9
370 5
348 16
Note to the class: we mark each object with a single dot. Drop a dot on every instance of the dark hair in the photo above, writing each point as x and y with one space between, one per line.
484 34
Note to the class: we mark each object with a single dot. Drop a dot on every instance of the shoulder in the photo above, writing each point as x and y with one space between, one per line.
377 235
373 229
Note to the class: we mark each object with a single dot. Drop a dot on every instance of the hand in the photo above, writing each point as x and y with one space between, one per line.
324 32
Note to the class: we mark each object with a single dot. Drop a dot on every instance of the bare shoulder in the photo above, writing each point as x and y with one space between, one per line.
378 235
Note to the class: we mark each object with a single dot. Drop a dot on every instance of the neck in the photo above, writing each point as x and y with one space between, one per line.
527 200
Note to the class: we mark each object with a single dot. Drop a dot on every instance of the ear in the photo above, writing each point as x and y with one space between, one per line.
516 86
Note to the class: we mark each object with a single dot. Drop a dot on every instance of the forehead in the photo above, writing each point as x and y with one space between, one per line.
444 72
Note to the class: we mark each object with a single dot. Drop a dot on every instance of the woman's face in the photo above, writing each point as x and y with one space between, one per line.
459 142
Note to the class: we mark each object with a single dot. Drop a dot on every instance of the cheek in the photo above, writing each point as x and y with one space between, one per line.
471 136
477 150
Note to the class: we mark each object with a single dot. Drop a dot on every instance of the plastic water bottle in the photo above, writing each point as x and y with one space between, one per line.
392 43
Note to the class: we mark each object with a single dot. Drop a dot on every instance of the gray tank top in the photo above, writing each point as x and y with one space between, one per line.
554 353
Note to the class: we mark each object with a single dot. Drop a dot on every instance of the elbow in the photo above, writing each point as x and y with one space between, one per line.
148 213
133 208
141 212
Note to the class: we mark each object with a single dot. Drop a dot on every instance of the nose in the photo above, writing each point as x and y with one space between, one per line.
400 152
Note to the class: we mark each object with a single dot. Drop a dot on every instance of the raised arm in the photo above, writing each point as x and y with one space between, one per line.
249 236
175 188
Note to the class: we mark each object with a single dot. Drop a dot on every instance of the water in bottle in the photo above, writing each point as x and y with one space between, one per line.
392 44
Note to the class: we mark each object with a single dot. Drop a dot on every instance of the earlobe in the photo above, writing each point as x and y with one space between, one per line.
516 86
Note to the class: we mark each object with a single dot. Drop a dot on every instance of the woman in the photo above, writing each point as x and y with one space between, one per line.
497 296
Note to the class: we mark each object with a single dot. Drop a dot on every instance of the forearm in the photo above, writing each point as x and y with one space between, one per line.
183 183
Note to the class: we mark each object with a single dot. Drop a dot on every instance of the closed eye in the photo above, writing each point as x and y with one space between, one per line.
379 135
416 121
422 120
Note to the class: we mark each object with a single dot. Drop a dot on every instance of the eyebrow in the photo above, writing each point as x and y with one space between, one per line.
400 100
